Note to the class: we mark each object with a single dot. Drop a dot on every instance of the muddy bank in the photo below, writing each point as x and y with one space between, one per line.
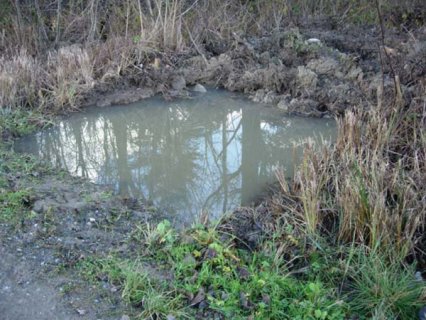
304 71
62 221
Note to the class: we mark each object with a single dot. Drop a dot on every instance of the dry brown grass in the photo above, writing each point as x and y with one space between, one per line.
19 78
371 181
57 81
69 75
167 24
41 65
54 83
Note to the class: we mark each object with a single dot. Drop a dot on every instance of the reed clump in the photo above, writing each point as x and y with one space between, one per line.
369 187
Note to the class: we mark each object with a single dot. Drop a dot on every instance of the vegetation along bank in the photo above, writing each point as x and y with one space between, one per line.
344 239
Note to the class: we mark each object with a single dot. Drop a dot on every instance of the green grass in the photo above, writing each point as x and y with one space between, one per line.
382 287
14 205
233 282
19 122
150 296
14 201
199 267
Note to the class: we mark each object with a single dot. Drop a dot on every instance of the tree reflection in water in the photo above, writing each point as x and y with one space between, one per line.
213 152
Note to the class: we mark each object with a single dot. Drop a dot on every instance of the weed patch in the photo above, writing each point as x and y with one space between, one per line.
210 276
14 205
19 122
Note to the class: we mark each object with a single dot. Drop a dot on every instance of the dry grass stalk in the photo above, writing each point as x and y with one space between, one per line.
59 80
70 74
19 80
377 189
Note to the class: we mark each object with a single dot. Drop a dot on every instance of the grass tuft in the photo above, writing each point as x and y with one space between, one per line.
383 287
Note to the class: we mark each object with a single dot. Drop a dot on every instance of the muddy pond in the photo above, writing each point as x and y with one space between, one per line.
214 151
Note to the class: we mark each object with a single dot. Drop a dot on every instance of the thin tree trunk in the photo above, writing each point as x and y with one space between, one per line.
224 165
19 16
40 22
58 18
141 19
93 19
149 5
127 19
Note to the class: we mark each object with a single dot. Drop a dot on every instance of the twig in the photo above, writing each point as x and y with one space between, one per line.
195 44
190 7
394 76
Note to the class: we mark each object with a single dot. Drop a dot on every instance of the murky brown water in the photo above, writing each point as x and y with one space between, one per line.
213 152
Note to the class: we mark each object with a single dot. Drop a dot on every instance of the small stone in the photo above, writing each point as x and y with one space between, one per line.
265 57
306 78
200 297
324 66
189 259
38 206
313 41
284 103
171 317
203 305
243 273
199 88
422 313
259 95
178 83
81 312
125 317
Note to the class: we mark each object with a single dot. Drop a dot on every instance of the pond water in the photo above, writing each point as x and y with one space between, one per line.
213 152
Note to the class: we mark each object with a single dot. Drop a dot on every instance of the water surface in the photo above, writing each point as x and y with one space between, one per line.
214 152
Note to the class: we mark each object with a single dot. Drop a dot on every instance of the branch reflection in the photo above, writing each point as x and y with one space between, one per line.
214 152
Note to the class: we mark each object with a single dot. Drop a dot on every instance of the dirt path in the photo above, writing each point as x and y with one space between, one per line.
72 219
26 295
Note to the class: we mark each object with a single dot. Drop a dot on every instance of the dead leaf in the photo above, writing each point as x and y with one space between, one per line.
243 273
201 296
243 300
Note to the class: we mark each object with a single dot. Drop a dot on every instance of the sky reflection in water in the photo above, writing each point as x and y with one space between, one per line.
214 152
